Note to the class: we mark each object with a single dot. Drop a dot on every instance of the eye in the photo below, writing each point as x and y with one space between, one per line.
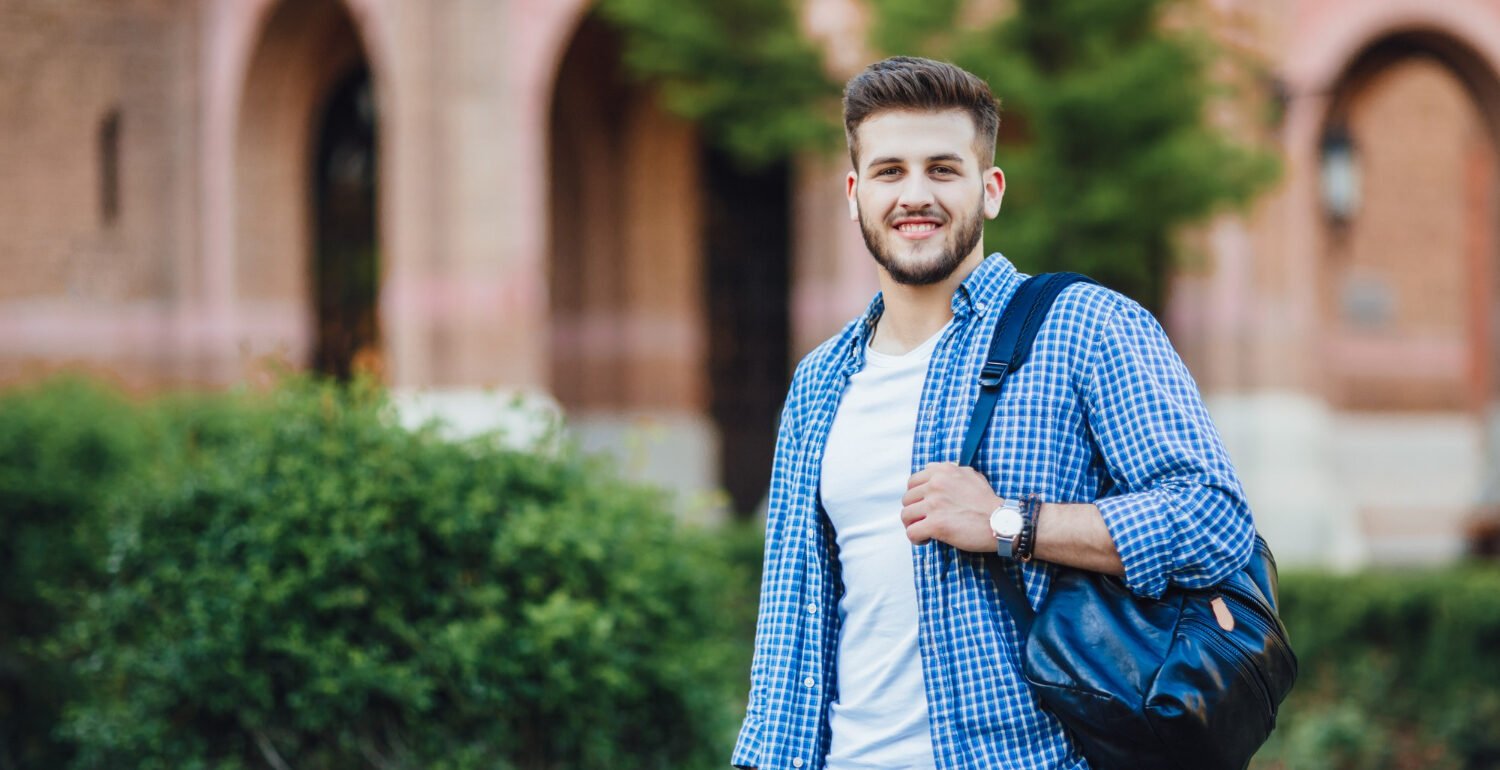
889 171
944 170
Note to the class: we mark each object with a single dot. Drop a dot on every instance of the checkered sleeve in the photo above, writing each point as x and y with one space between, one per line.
1176 511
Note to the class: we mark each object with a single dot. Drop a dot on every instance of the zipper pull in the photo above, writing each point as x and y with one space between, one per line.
1221 613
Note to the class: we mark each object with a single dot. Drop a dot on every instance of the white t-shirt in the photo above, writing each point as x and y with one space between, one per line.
879 721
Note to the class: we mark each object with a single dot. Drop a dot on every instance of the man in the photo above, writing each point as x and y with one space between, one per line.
881 642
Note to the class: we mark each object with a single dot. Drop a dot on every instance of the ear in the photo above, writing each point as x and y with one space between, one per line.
851 185
994 191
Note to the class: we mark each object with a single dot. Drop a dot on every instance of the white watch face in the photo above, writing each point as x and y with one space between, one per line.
1005 522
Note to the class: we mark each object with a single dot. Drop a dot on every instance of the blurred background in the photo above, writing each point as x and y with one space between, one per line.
263 240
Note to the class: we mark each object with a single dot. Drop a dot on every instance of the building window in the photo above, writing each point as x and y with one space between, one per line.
109 167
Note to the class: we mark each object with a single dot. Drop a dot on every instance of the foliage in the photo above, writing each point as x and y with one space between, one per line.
213 581
63 449
294 580
741 68
1104 140
1398 671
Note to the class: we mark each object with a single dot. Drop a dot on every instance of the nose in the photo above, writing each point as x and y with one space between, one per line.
916 193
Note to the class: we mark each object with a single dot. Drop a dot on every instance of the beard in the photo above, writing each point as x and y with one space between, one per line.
958 244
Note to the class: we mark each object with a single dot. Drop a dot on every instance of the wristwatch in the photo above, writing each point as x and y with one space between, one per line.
1006 523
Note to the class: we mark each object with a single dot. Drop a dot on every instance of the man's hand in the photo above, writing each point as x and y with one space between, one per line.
952 504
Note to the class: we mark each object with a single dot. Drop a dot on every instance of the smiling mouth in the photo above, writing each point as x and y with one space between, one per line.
917 230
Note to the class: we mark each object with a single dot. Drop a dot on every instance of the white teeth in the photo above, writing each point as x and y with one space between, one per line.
921 227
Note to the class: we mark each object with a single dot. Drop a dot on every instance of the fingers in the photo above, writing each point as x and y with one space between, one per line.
922 523
940 477
927 493
914 513
921 532
933 470
950 503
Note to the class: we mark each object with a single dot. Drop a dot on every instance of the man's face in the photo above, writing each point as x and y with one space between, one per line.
920 193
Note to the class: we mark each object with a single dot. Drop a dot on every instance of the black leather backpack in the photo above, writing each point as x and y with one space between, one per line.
1190 681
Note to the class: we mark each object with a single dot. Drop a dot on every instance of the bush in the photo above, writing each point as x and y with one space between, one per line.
65 451
291 579
1398 671
297 581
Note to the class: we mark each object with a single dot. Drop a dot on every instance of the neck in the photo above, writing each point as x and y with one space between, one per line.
914 313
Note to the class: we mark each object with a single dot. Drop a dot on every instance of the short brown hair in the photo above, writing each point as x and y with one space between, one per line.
912 83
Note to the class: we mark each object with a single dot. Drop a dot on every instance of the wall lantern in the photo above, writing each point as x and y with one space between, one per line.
1339 174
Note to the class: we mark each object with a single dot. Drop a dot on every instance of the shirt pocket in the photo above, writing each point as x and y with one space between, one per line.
1029 443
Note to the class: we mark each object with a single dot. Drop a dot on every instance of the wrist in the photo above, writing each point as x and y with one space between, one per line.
996 503
1031 508
1005 525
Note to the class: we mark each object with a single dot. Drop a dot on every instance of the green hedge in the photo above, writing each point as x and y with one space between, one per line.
1400 669
235 580
64 449
293 578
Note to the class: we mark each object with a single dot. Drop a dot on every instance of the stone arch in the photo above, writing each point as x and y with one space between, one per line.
668 280
1411 277
1411 435
309 61
1328 49
623 234
1329 43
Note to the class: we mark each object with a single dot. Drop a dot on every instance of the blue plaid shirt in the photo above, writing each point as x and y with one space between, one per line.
1104 412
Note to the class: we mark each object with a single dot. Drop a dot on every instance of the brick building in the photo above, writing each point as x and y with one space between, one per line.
470 194
1347 342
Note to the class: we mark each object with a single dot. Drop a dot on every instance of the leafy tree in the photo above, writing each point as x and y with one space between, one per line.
1104 135
1104 140
740 68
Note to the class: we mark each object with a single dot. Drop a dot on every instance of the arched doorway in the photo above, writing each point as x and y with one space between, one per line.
1408 274
346 267
668 281
1408 291
306 165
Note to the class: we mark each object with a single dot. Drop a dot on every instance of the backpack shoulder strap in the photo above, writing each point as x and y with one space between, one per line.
1011 346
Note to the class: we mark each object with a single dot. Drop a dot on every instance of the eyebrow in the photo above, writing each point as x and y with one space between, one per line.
947 157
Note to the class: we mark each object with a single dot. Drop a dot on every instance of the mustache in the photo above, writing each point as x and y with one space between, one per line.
923 214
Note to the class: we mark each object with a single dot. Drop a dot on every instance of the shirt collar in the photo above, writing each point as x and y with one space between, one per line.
854 355
983 286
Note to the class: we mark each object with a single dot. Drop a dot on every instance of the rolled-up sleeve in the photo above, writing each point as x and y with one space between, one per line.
1176 511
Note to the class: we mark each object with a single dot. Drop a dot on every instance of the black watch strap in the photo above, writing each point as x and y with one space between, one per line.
1026 540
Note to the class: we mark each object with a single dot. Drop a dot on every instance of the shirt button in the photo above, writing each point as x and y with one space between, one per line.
812 607
797 762
810 682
